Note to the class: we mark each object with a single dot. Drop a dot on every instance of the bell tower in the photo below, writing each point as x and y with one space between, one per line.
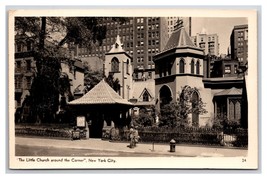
179 65
118 64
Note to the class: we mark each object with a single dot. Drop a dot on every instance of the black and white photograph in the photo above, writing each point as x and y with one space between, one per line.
137 88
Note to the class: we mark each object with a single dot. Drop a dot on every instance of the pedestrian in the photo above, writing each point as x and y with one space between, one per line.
136 136
131 136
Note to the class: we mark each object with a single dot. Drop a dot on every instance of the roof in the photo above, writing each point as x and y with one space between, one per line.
139 87
117 47
179 38
102 93
229 92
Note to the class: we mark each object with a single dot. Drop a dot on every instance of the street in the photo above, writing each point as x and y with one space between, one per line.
22 150
29 146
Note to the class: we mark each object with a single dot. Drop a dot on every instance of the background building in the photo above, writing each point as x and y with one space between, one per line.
25 67
239 43
142 38
208 42
172 21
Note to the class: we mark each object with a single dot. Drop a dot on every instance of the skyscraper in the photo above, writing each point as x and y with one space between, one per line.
172 21
142 38
239 43
208 42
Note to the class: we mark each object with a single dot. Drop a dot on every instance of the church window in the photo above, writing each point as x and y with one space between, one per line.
127 66
192 66
145 96
181 66
197 68
114 65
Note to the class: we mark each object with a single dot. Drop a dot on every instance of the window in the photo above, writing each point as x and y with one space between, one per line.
235 69
181 66
28 67
18 64
145 96
29 46
19 47
18 82
127 67
234 109
227 69
114 65
192 66
197 68
28 79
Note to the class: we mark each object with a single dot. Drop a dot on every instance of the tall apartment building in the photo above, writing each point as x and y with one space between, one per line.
208 42
172 21
239 43
142 38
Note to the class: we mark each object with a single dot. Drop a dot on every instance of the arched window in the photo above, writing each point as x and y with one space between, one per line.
192 66
145 96
195 111
181 66
165 95
197 67
127 67
114 65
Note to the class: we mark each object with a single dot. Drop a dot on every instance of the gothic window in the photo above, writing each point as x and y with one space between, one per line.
234 109
114 65
181 66
28 65
192 66
195 113
145 96
127 67
197 67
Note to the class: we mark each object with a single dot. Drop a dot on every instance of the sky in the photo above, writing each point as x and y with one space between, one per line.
221 26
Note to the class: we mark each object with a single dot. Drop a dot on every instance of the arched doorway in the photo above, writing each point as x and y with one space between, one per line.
165 95
195 111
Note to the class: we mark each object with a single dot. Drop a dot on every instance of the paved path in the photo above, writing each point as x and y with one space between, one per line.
105 146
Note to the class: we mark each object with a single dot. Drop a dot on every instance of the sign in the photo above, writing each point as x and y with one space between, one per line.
80 121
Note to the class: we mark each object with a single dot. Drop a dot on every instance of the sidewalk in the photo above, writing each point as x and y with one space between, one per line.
101 145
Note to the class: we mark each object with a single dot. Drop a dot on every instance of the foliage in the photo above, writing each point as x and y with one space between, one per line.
91 77
113 83
49 35
176 114
145 118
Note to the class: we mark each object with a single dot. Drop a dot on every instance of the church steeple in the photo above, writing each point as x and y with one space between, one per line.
179 37
117 46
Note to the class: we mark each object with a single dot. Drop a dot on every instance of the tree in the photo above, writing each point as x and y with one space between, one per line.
145 118
91 77
50 34
113 83
176 114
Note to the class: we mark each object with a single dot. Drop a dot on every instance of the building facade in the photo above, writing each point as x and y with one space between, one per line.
208 42
25 67
182 66
172 21
142 38
239 43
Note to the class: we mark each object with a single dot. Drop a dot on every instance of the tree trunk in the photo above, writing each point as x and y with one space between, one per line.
42 33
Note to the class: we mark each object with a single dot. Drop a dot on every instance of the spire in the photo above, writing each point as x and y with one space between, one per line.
117 46
179 37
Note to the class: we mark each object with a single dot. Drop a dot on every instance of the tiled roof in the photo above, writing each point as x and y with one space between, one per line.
229 92
179 38
102 93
